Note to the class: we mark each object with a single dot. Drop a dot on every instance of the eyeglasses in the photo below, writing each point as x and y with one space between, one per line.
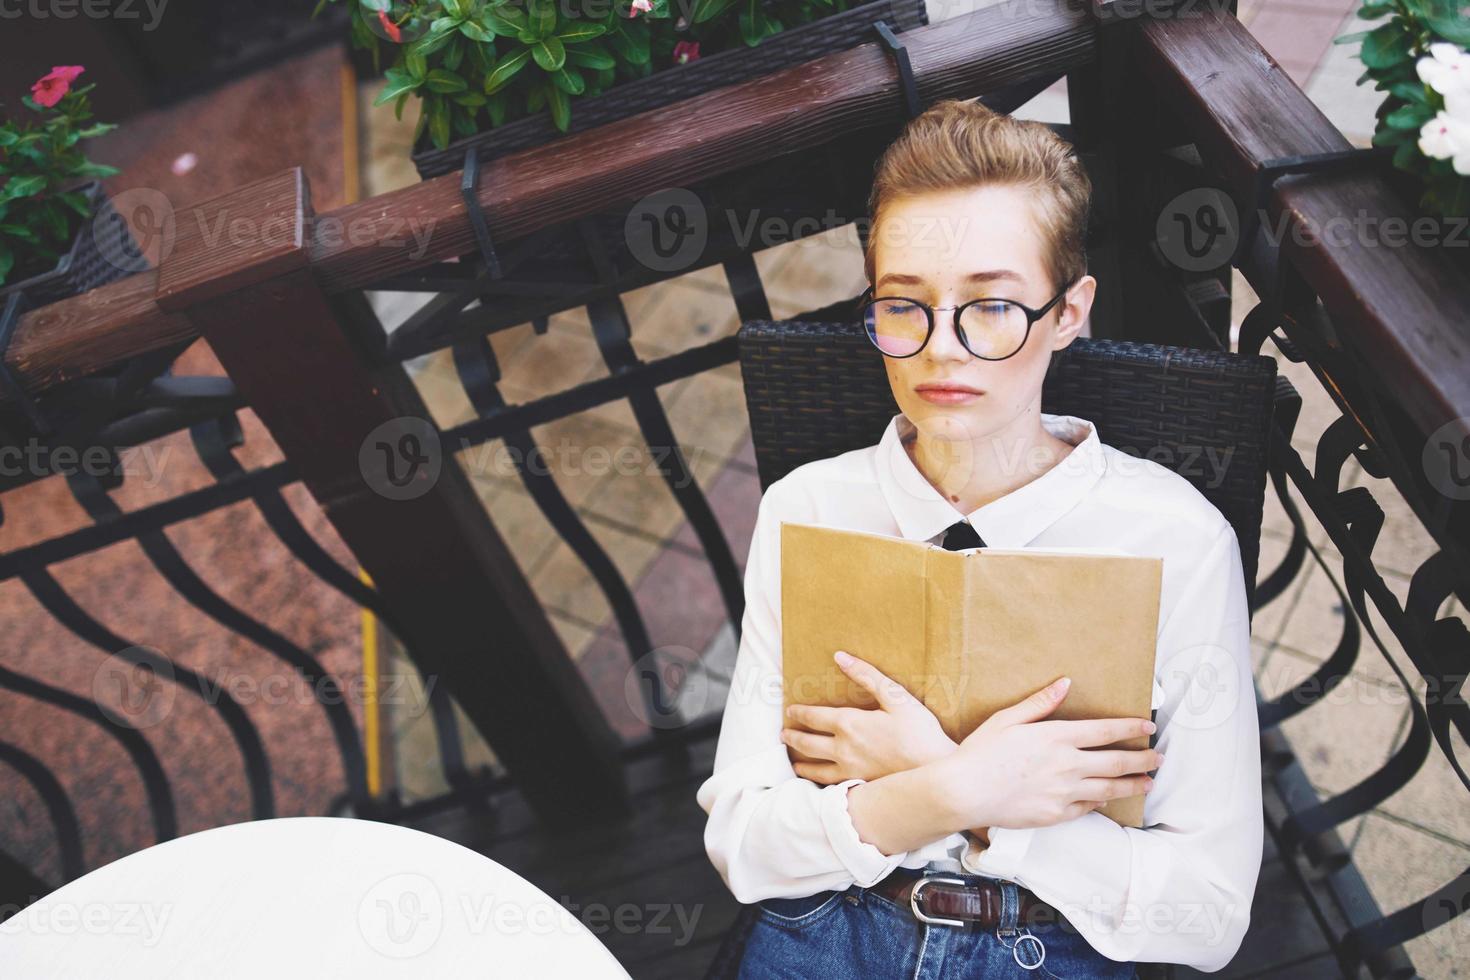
991 329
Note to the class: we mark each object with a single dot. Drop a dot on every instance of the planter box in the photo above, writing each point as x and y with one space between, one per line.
94 258
798 45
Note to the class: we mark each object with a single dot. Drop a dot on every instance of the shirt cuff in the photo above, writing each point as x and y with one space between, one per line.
1003 858
864 861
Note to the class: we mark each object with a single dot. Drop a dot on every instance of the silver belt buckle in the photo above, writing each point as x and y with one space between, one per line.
914 900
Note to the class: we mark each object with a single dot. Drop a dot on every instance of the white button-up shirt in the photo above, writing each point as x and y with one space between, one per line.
1176 891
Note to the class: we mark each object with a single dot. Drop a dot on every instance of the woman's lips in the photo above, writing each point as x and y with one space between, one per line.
948 394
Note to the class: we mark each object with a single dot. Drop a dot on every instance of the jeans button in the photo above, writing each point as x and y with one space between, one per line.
852 899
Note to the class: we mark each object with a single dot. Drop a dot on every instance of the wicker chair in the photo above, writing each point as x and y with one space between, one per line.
815 387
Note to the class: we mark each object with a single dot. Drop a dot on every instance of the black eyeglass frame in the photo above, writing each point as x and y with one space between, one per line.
1032 315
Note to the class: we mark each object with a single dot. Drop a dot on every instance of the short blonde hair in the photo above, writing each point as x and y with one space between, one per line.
958 144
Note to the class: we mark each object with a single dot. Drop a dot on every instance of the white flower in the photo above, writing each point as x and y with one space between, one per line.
1447 138
1446 70
1457 105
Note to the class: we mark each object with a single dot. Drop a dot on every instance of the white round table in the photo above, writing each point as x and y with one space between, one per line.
301 897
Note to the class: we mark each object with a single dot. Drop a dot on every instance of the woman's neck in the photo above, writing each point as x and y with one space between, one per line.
971 473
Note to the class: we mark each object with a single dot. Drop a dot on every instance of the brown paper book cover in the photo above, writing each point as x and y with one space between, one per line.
971 632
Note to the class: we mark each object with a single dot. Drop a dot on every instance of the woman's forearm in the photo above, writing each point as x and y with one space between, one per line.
904 810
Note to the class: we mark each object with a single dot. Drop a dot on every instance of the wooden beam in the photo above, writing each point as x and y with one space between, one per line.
1402 308
803 106
469 616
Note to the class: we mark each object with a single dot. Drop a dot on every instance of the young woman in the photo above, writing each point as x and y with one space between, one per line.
978 272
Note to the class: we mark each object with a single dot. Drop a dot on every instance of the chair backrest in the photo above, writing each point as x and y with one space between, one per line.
816 387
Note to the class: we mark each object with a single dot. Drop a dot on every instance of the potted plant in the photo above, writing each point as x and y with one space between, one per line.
1418 56
51 217
503 75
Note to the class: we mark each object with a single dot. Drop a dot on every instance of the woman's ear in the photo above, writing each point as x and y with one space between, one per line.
1077 308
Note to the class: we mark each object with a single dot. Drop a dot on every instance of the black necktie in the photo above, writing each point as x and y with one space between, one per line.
960 536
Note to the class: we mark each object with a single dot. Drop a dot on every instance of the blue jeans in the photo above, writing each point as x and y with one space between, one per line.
858 933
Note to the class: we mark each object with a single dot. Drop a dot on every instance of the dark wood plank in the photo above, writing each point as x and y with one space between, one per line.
250 235
1402 308
465 611
804 106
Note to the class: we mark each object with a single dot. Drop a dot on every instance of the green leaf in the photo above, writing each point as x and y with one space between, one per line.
464 122
499 107
504 21
7 261
376 5
1374 10
1390 137
439 121
581 32
456 8
445 82
475 32
591 58
543 16
1409 117
1409 92
473 100
549 53
569 80
709 9
505 70
398 106
19 231
8 137
561 107
1386 46
77 201
96 130
397 83
24 186
1349 38
1449 20
453 55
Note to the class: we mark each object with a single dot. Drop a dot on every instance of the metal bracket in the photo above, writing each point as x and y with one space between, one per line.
9 384
468 187
1266 317
900 54
1271 171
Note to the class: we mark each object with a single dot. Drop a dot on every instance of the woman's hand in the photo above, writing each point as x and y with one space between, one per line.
1017 770
865 743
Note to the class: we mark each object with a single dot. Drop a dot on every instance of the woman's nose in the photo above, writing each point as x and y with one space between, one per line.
945 343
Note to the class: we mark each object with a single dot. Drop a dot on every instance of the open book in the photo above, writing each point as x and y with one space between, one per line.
971 632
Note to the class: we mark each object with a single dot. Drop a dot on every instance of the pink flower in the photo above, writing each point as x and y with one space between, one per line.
685 52
49 90
643 5
390 28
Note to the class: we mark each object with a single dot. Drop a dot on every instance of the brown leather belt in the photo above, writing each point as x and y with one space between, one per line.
951 900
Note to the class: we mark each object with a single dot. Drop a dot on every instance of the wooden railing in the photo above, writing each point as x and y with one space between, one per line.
277 291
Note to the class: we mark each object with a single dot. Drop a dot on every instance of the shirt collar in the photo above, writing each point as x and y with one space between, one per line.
1011 521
